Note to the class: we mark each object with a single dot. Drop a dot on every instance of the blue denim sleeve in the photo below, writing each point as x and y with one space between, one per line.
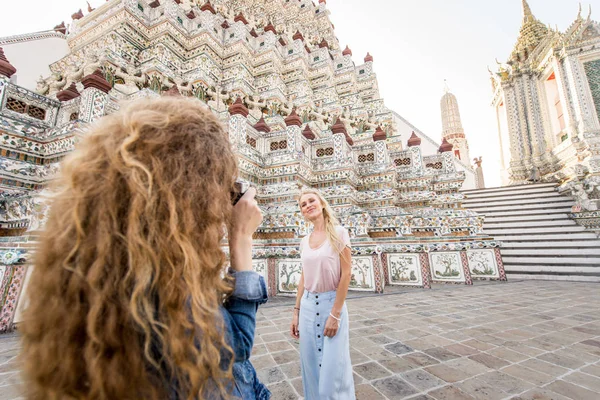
240 310
250 286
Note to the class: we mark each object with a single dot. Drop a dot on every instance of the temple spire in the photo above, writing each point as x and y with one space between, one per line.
527 14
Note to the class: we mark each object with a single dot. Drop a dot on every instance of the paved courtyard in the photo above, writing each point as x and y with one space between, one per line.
516 340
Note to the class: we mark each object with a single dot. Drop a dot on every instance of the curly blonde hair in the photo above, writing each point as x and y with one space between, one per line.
127 282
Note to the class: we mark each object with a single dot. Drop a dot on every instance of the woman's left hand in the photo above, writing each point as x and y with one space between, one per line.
331 327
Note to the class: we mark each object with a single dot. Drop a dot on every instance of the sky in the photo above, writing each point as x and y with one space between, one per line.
416 45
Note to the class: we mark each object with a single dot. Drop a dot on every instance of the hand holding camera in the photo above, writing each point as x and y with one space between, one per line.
246 218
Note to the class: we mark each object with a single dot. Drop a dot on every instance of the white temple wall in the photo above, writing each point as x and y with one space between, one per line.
46 50
404 129
470 176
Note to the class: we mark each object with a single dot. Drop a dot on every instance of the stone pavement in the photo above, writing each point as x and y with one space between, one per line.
515 340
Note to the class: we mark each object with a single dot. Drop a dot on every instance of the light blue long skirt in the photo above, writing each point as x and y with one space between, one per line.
326 365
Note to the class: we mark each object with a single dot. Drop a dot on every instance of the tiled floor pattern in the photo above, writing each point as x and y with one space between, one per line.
516 340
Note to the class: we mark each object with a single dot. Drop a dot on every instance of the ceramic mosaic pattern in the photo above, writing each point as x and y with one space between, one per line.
9 291
362 275
592 71
261 267
288 275
446 267
482 264
404 269
2 273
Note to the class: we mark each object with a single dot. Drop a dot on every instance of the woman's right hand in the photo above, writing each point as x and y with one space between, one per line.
247 216
245 220
294 327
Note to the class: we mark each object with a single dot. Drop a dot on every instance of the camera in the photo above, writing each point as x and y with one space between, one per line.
239 188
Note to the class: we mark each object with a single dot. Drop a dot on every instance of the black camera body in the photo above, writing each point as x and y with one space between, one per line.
239 188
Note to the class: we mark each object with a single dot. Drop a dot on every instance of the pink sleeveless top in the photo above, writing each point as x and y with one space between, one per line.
321 266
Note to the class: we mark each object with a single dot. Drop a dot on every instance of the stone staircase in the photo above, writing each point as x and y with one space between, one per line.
539 240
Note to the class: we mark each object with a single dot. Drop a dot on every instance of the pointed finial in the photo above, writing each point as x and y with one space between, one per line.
379 134
445 146
261 125
579 14
446 87
6 68
238 108
293 119
589 18
414 140
527 14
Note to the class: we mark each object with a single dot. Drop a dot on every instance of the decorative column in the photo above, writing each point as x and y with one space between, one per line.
465 264
501 271
425 269
566 96
12 272
381 154
582 98
340 134
94 97
272 274
520 152
294 132
378 275
585 114
238 123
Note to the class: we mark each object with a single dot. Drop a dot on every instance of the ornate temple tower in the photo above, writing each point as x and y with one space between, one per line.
452 129
547 99
298 112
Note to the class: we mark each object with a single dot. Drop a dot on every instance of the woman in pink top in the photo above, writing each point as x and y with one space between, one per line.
320 315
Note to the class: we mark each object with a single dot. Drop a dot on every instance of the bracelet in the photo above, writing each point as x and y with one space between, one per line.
334 317
297 308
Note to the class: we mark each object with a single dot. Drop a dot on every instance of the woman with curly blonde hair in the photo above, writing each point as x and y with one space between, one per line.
127 296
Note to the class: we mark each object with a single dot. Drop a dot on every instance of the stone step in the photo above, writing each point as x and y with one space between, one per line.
531 192
543 230
561 252
517 212
514 187
590 261
502 208
503 224
572 244
534 195
545 238
558 201
512 276
531 219
553 269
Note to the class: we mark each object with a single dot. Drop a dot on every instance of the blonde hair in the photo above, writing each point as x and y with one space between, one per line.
126 288
331 222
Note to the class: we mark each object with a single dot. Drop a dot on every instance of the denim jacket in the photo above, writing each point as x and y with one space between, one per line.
239 314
